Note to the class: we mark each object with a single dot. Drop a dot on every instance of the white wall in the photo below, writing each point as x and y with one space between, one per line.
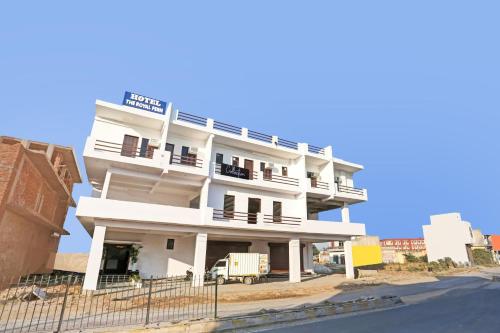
154 259
447 236
289 205
113 131
178 141
178 200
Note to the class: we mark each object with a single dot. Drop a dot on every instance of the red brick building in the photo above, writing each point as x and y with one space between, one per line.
36 181
404 244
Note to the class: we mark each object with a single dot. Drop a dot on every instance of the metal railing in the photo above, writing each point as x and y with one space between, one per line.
321 185
350 190
118 148
316 150
223 215
281 179
260 136
287 144
282 219
186 160
48 303
191 118
227 128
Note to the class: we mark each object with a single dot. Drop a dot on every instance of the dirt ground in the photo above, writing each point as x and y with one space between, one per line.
324 285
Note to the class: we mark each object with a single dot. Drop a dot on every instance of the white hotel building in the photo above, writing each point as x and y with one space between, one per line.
186 190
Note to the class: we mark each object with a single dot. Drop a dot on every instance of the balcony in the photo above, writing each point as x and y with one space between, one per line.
255 179
318 187
254 218
351 194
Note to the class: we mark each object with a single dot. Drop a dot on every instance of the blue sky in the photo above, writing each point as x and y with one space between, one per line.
408 89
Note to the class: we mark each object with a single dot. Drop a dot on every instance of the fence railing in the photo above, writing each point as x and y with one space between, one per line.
227 127
317 184
281 179
191 118
316 150
287 143
350 190
124 150
187 160
58 303
282 219
260 136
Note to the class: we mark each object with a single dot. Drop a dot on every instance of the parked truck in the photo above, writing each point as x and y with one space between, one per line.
247 268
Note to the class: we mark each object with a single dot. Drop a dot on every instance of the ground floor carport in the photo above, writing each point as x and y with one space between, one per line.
166 250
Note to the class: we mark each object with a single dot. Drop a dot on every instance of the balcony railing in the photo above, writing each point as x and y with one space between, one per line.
124 150
191 118
281 179
350 190
227 128
218 125
317 184
316 150
186 160
278 219
223 215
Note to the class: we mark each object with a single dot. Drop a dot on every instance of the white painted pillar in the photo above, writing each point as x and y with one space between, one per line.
345 213
294 260
308 258
95 257
349 263
200 253
105 186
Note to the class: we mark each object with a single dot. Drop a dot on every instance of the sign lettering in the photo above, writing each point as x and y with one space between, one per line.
234 171
144 103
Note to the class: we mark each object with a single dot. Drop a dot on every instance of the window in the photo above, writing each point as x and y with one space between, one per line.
170 147
129 146
228 206
262 166
185 151
276 211
144 147
219 158
220 264
236 161
284 171
170 244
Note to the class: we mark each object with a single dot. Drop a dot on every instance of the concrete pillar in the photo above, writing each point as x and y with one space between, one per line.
345 213
95 257
294 259
349 264
308 258
105 186
200 253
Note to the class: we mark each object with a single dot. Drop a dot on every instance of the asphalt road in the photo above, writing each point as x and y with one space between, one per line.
458 310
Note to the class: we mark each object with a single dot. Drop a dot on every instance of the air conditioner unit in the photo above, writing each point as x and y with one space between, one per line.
193 150
154 142
270 165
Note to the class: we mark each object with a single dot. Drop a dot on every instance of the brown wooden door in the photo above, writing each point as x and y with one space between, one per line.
249 166
253 209
129 146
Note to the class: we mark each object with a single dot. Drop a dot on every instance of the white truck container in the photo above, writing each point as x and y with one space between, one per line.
244 267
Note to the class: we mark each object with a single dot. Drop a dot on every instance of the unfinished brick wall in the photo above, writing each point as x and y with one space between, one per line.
28 206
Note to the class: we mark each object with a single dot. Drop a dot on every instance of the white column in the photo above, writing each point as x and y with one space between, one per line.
349 264
308 258
200 253
95 256
294 260
345 213
105 186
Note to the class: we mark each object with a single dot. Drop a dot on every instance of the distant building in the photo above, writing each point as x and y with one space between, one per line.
394 250
449 236
366 251
36 181
495 246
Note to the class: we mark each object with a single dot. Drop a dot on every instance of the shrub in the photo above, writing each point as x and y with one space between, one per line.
482 257
410 257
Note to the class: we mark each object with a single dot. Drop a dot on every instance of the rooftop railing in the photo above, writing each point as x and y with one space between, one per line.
218 125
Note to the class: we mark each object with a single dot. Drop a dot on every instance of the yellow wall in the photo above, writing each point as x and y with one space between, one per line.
363 255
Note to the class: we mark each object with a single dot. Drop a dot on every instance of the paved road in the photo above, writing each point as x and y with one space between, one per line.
473 308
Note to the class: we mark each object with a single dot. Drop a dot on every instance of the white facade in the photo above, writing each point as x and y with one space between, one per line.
144 195
448 236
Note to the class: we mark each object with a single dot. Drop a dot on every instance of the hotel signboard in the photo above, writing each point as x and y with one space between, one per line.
234 171
144 103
